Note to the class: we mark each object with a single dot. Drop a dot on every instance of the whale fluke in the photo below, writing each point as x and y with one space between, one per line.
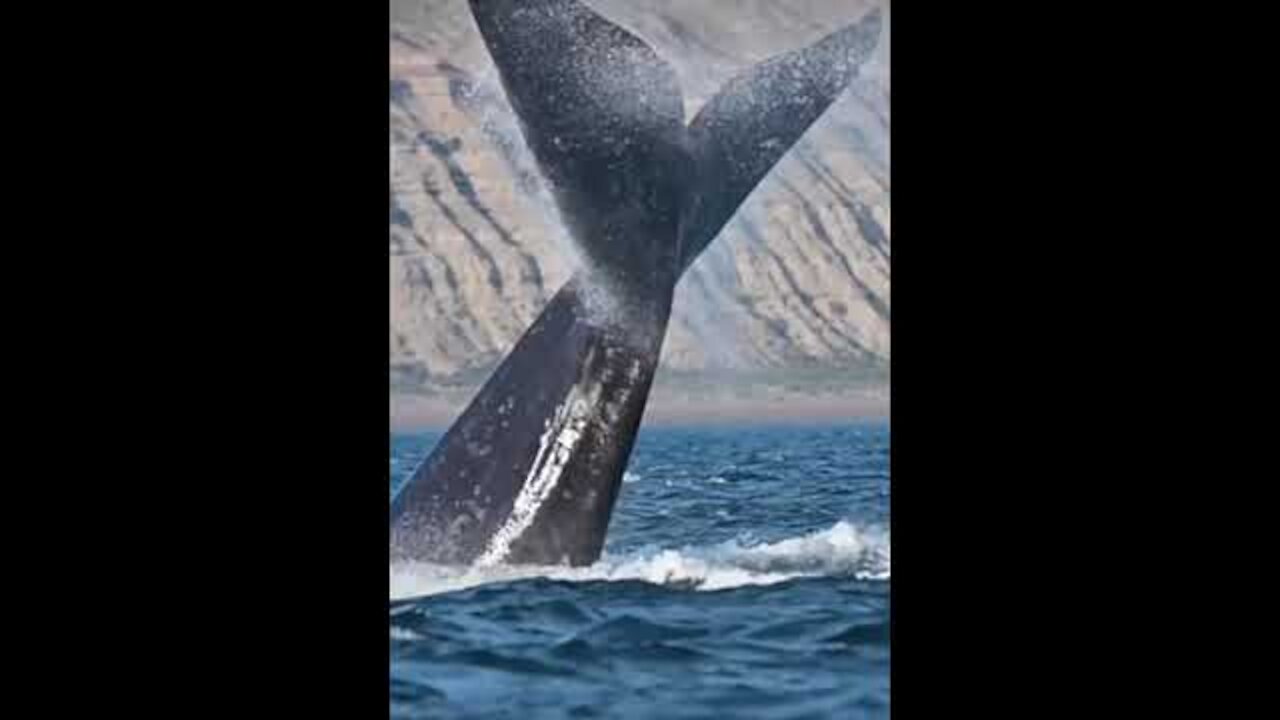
530 471
603 117
755 118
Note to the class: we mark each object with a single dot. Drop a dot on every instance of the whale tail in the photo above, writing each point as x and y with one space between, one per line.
530 471
603 116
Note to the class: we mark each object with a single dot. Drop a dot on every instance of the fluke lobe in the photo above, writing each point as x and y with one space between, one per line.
529 473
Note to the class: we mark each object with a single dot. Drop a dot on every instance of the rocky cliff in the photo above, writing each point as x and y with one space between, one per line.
793 294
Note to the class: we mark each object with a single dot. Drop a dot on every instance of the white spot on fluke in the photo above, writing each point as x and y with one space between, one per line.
564 431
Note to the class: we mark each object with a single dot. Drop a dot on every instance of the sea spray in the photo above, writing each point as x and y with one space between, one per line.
844 550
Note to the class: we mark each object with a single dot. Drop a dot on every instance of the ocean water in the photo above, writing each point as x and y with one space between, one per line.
746 575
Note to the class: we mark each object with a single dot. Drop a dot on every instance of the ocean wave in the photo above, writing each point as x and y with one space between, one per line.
843 550
404 634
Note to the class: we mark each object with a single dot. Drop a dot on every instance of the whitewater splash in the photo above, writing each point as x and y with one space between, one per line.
843 550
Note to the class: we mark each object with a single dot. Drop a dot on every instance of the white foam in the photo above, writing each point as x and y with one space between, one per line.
843 550
403 634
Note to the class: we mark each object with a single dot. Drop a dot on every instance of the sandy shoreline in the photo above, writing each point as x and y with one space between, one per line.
409 413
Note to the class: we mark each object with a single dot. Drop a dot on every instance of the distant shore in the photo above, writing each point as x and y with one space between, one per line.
418 412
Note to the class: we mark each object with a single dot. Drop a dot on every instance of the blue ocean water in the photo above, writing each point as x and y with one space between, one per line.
746 574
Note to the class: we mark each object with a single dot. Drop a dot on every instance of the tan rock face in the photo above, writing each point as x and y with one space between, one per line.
797 283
